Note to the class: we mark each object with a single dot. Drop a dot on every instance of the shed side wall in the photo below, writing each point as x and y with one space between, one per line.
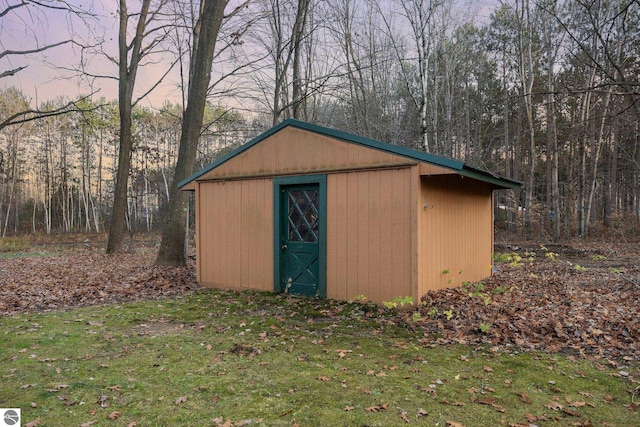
235 234
456 239
369 235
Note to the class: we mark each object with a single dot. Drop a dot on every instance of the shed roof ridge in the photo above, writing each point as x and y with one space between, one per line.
421 156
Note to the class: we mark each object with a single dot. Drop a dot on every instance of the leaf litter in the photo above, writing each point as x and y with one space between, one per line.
542 304
81 279
546 305
462 327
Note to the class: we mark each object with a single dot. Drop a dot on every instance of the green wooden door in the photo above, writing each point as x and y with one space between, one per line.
300 239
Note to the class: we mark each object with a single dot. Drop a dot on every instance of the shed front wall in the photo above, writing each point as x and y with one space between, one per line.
371 225
234 234
456 231
382 242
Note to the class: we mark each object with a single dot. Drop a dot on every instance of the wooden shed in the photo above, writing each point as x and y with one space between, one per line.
309 210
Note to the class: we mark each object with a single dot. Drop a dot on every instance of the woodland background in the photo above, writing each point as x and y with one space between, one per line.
542 91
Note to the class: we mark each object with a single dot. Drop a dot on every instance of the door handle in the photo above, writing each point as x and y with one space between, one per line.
284 247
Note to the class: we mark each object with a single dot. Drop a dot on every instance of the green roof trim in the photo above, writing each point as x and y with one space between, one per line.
445 162
482 175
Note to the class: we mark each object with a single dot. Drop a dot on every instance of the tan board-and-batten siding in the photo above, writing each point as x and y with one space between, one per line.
369 234
297 151
234 241
456 237
369 240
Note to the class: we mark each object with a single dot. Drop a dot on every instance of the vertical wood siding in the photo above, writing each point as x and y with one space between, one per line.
293 151
369 234
235 234
456 232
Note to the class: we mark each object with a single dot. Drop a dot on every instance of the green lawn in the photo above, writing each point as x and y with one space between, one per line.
223 358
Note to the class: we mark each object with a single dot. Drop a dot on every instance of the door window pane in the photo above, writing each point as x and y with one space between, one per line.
303 216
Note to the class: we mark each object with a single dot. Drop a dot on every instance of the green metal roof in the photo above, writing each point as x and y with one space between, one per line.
445 162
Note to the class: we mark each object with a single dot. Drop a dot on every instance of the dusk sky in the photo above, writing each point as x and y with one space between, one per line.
54 72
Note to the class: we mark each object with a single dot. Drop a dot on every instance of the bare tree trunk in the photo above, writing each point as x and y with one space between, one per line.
172 247
296 39
527 77
553 193
13 148
585 112
127 78
597 149
610 199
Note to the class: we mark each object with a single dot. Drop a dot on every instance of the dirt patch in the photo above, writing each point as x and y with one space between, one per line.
160 327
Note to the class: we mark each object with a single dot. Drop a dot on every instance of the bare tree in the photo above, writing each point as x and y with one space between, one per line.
421 16
526 78
172 247
33 14
148 37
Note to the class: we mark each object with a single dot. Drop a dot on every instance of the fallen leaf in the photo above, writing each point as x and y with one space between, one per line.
377 408
114 415
555 406
102 400
421 413
490 401
58 387
524 397
180 400
446 402
571 412
323 378
454 424
633 407
349 408
34 423
88 424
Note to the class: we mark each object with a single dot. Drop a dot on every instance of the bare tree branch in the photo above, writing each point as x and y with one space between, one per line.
67 7
10 8
35 114
28 51
157 83
11 72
